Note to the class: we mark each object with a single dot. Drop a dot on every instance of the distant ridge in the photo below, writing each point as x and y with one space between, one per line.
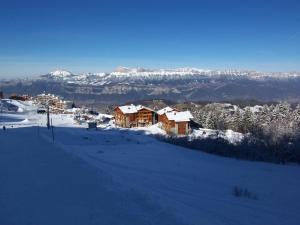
60 73
123 72
183 84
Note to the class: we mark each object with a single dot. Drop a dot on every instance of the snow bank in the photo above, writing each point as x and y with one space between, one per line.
102 116
229 135
10 105
154 129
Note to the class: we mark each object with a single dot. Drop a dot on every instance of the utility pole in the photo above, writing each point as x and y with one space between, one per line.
1 105
52 131
48 117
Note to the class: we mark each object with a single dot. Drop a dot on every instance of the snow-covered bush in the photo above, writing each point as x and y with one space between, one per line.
243 192
250 148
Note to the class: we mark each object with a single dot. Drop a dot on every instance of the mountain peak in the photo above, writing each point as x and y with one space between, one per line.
60 73
122 69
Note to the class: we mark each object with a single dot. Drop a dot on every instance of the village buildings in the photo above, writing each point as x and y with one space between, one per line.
55 103
172 120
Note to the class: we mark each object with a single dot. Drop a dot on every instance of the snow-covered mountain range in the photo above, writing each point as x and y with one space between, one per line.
183 84
180 73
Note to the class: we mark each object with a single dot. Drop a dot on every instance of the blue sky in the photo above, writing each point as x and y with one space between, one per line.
93 36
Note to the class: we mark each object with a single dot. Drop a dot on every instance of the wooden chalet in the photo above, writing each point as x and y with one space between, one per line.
19 97
133 116
162 112
176 123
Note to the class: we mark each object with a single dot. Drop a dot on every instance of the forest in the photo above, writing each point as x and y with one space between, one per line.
271 132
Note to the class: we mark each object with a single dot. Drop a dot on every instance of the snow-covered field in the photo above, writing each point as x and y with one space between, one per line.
122 176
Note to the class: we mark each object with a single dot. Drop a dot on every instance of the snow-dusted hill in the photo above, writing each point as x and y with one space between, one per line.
9 105
119 176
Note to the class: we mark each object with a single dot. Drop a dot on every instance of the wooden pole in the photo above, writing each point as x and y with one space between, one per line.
48 118
52 131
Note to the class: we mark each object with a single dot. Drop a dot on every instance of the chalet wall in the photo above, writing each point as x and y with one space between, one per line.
172 127
143 117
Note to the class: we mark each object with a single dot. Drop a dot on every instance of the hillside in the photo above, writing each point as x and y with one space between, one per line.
121 176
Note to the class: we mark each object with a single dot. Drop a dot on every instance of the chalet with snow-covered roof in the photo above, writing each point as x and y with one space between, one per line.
133 116
162 112
177 123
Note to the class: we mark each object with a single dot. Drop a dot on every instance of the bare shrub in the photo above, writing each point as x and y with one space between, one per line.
243 192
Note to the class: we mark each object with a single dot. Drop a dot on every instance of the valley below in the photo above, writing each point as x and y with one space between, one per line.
179 87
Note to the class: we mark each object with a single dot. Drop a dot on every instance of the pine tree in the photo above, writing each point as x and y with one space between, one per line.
237 121
209 123
296 117
247 121
221 121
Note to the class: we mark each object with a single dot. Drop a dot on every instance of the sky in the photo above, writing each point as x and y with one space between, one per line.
38 36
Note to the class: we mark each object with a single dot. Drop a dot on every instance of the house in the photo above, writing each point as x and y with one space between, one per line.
177 123
163 111
133 116
19 97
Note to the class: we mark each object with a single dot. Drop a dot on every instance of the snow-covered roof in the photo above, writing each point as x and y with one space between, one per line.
165 110
179 116
101 116
127 109
139 107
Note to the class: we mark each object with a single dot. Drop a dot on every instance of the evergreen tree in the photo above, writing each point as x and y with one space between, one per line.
237 121
296 118
264 116
247 121
209 123
221 121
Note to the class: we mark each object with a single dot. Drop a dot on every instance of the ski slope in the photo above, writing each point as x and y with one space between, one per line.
119 176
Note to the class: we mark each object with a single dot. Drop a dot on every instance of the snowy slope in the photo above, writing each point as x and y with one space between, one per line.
193 186
119 176
9 105
41 184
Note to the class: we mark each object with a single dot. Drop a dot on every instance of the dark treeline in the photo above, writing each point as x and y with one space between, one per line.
250 148
272 132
